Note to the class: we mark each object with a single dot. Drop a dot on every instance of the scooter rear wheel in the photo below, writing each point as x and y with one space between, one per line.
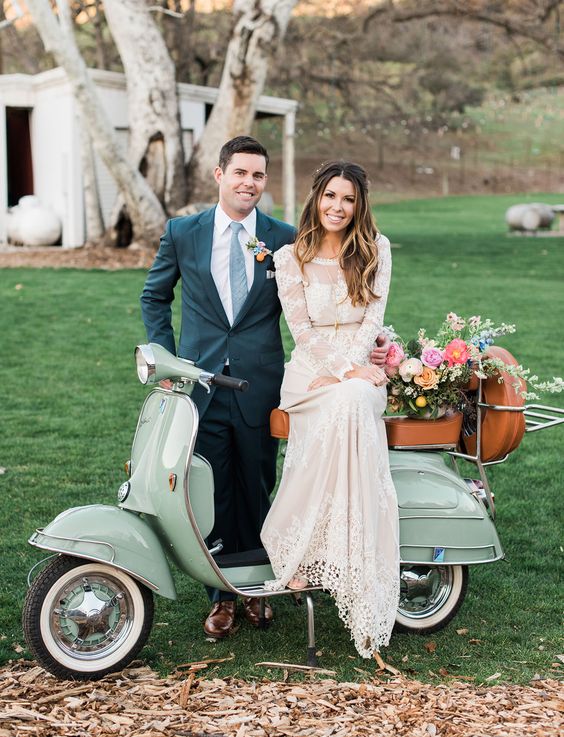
430 596
83 619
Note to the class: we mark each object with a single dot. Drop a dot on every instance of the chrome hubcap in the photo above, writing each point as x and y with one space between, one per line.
424 590
94 614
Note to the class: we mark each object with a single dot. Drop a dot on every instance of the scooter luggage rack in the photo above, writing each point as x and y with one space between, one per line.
537 417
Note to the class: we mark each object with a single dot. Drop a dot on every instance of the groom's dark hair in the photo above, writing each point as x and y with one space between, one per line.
240 145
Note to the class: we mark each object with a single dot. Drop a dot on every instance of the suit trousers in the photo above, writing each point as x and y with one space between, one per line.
243 460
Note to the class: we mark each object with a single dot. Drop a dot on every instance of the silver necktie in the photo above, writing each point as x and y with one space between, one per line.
237 270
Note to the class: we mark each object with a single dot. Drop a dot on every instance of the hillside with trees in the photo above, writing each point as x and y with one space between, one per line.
437 97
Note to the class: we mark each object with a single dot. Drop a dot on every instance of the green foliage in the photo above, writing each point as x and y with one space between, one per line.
70 399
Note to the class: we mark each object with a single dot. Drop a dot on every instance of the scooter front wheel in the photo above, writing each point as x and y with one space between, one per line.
430 596
83 619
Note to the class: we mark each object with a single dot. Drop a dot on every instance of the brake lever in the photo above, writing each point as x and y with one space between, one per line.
205 379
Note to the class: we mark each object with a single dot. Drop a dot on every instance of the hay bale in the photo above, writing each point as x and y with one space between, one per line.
529 217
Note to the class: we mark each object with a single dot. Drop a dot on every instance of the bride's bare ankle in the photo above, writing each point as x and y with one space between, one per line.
297 582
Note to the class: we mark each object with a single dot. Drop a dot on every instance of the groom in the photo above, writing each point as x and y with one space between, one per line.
230 323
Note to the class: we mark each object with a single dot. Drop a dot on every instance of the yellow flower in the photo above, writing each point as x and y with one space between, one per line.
428 379
420 402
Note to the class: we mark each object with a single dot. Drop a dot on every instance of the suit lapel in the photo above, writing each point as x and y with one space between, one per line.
259 276
203 241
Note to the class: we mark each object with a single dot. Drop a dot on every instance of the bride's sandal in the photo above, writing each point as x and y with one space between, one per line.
297 583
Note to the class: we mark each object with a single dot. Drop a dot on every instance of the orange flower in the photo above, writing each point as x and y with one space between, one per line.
260 256
428 379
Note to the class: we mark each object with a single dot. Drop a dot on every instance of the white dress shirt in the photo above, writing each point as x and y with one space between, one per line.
221 248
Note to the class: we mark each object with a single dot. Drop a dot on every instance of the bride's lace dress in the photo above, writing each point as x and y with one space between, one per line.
335 515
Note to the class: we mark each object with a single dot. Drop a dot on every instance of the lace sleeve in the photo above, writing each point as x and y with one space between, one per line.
373 319
324 359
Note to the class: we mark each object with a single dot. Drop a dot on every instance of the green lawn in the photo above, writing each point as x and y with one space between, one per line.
69 409
527 132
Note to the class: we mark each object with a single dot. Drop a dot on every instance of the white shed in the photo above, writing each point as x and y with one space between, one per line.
40 151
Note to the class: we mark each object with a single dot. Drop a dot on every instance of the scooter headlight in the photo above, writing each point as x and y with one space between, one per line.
145 360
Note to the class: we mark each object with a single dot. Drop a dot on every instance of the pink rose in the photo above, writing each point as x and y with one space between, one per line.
395 355
410 368
391 371
432 357
456 352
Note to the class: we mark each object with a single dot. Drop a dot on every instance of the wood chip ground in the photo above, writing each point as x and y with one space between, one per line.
137 703
108 259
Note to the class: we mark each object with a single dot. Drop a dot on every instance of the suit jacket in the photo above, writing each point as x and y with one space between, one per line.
253 343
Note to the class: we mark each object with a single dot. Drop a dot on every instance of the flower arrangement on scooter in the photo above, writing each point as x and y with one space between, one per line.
429 375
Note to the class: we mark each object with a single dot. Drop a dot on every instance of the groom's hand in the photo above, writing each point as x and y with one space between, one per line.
380 350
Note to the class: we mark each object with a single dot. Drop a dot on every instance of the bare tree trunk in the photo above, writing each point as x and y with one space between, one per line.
1 52
144 209
155 136
101 54
259 27
92 207
26 60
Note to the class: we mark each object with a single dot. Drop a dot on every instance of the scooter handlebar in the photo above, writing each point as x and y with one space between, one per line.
230 382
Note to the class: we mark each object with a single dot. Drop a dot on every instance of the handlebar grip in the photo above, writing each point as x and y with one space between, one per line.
230 382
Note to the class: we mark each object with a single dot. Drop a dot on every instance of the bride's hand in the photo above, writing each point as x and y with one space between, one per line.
322 381
374 374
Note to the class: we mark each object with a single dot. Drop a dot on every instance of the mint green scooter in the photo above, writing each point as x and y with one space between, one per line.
90 609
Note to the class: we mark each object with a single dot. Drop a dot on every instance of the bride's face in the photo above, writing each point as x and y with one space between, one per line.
336 206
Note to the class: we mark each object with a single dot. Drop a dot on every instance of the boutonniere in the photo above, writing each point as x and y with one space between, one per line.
258 249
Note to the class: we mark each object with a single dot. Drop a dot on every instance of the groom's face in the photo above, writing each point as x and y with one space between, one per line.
241 184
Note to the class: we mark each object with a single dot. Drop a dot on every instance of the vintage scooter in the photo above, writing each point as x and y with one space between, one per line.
90 609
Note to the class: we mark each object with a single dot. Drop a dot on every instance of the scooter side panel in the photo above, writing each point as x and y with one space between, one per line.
173 526
161 448
441 522
110 535
158 463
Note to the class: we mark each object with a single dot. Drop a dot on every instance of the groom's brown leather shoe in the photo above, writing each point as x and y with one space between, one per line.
251 610
219 622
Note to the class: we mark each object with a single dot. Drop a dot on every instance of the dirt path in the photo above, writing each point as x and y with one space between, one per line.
55 257
136 703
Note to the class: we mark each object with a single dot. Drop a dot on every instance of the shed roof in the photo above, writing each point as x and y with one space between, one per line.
17 89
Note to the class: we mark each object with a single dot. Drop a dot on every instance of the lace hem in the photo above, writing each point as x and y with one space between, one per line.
366 594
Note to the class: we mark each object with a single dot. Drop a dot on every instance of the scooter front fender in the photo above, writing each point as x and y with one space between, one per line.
110 535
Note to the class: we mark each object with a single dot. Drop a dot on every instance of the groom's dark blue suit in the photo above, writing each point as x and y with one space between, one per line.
234 434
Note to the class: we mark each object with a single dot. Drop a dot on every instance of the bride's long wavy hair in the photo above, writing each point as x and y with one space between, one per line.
358 255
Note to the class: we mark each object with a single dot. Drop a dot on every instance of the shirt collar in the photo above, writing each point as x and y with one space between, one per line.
222 221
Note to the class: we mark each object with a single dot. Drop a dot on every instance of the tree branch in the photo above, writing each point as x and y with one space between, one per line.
165 11
460 8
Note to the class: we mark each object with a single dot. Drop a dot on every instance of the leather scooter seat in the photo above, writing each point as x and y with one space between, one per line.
401 431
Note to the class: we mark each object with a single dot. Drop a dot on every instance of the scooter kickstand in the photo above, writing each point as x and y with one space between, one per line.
311 654
262 623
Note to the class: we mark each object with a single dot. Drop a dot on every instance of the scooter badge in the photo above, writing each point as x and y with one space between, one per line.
438 555
123 491
172 481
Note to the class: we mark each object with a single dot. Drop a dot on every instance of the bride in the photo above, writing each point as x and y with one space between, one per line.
334 521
